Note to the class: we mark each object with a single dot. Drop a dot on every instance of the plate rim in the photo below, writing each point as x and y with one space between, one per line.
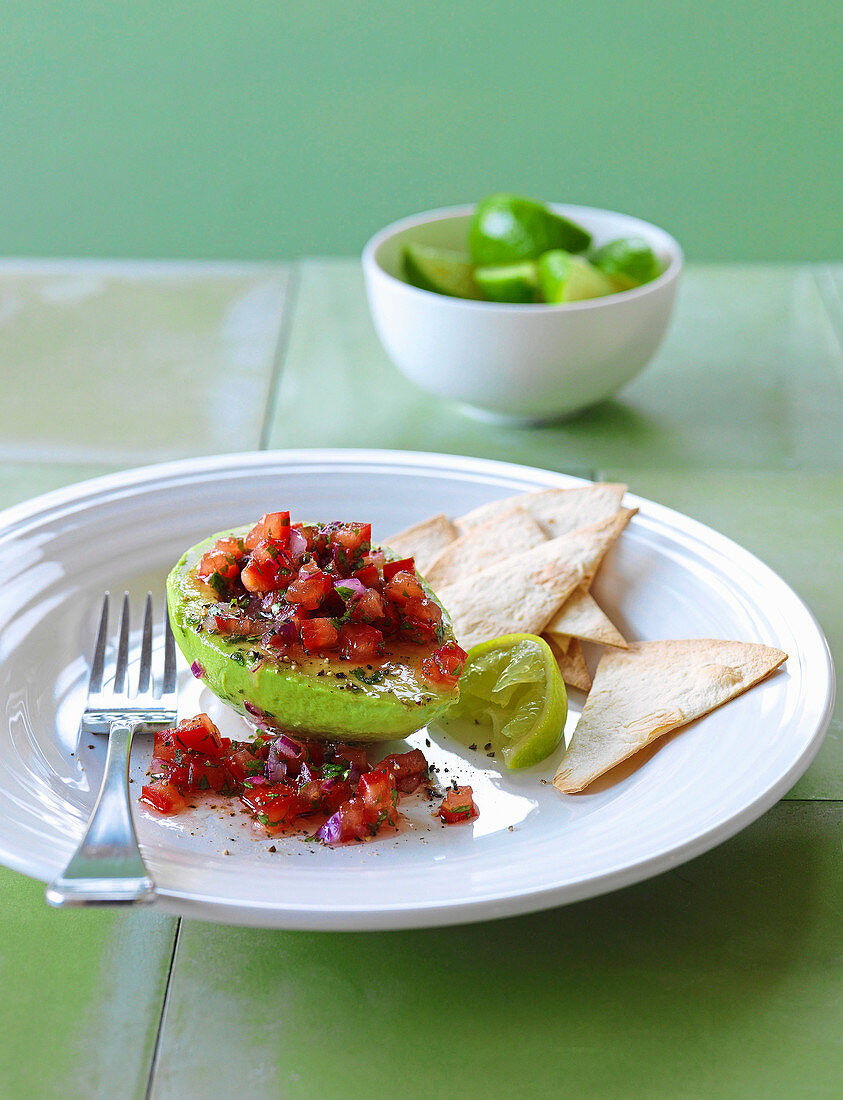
494 904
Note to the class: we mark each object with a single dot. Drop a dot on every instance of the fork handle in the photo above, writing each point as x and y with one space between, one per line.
107 867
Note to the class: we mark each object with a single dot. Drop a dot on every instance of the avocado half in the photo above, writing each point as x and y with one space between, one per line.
345 702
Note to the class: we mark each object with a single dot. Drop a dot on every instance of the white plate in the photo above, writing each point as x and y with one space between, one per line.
531 848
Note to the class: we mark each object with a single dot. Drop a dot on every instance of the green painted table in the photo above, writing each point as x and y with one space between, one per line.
723 978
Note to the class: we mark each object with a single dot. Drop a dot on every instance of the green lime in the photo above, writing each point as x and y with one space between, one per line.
567 278
506 229
512 695
513 283
440 271
628 262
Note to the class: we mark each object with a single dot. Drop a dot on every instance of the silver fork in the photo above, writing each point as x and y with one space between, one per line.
107 866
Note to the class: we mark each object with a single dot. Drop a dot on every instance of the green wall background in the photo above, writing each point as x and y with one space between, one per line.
268 129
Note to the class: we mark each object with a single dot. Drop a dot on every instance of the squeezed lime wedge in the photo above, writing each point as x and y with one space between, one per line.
511 695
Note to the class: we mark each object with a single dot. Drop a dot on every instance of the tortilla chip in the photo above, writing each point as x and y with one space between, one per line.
560 641
521 594
423 541
511 533
572 665
650 688
557 511
581 617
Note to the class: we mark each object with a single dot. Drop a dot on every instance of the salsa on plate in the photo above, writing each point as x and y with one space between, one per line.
280 780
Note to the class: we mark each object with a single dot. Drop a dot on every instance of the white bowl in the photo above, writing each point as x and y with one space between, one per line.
528 363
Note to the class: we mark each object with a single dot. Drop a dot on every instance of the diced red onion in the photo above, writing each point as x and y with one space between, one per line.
357 587
331 831
298 544
198 669
285 758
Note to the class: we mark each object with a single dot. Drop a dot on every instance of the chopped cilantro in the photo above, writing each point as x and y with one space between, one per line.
238 657
217 582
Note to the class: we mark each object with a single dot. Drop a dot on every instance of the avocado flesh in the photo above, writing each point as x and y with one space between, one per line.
337 705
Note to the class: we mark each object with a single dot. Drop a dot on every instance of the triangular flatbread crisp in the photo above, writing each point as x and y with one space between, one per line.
521 594
423 541
572 665
558 511
581 617
508 535
650 688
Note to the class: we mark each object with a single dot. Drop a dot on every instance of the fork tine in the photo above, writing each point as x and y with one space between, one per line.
98 660
122 648
169 684
146 648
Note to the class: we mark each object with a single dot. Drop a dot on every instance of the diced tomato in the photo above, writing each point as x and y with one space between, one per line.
243 764
163 797
353 536
238 625
197 734
444 665
274 526
206 775
403 565
269 568
369 608
458 805
318 635
368 575
355 755
360 642
380 797
421 620
409 769
348 823
220 565
275 805
309 589
403 587
310 797
349 542
334 793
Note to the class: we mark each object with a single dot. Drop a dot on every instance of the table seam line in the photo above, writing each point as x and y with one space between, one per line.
279 358
821 275
159 1032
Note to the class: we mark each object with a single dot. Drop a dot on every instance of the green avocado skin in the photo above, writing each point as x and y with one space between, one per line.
327 707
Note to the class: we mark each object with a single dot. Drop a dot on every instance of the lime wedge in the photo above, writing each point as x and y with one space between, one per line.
567 278
506 229
513 283
440 271
627 262
512 695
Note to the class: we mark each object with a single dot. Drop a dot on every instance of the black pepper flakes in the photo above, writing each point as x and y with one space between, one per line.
473 747
272 848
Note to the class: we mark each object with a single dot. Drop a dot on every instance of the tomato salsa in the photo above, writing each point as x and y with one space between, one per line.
307 590
280 779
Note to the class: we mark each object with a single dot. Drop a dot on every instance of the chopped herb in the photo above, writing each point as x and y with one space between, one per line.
238 657
217 583
376 677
